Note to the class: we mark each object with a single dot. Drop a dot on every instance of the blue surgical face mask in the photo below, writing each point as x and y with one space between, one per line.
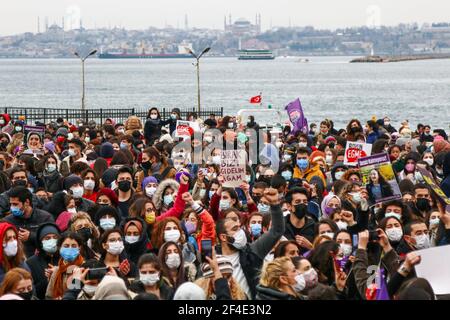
69 254
168 199
256 229
16 212
302 164
263 208
211 193
224 204
287 175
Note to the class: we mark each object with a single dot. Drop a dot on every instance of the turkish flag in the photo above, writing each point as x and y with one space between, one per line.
256 99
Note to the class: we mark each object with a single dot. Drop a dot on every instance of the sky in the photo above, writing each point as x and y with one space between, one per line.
20 16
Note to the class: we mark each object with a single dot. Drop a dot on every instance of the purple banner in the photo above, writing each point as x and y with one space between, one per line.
297 117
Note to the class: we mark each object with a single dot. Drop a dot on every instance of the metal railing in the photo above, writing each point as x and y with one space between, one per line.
47 115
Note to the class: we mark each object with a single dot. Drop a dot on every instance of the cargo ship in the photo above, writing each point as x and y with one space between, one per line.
254 54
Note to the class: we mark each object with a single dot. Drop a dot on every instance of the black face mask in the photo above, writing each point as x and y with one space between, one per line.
354 130
300 210
4 144
422 204
20 183
25 295
146 165
124 186
85 233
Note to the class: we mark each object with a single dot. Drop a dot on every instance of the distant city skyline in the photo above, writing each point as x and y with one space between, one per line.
22 16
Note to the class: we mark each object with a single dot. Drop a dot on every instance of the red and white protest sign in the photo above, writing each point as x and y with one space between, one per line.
355 151
186 128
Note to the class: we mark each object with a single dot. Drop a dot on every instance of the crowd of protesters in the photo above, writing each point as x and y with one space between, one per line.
104 211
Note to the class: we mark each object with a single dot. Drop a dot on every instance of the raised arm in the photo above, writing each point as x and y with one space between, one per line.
267 241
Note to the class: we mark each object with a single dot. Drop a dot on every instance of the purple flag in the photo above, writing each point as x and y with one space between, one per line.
297 117
382 292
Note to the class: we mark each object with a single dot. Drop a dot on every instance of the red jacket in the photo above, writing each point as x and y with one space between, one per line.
208 229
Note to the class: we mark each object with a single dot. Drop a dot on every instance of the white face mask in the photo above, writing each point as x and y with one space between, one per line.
202 193
224 204
89 184
301 283
149 279
153 116
131 239
434 222
107 223
72 153
173 260
394 234
346 249
10 249
115 248
430 161
422 241
77 192
240 240
329 234
150 191
302 144
216 160
72 210
168 199
51 167
356 197
342 225
172 235
338 175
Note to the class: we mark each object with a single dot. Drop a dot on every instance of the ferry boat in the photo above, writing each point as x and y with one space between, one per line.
254 54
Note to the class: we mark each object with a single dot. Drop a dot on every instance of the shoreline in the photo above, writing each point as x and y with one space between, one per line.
387 59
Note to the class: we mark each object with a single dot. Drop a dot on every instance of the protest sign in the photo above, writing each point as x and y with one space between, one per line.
28 130
378 178
429 180
431 267
186 128
232 167
356 150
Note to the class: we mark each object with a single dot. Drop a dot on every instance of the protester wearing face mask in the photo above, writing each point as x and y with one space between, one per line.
226 198
394 230
114 255
50 178
11 250
409 171
173 266
75 153
306 170
280 280
233 244
299 225
149 186
125 190
254 226
107 218
42 262
69 247
150 278
73 184
416 237
433 225
25 217
136 239
424 201
198 222
106 197
164 196
17 285
90 184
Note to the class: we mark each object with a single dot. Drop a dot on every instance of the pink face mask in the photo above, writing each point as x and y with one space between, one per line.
410 167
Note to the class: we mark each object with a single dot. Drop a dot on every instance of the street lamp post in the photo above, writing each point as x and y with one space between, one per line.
83 86
198 72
